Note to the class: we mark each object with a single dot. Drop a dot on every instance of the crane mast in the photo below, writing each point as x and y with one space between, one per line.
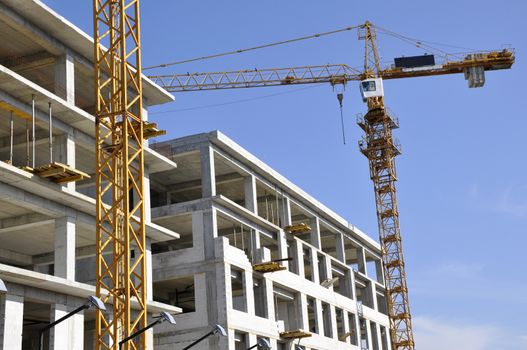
379 147
120 227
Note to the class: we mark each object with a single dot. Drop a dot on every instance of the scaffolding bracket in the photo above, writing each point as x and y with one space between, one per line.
296 334
58 173
271 266
298 228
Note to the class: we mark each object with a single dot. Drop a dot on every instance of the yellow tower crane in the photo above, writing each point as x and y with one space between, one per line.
377 145
120 135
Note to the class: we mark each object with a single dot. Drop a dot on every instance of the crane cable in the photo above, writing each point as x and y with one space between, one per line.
424 43
254 48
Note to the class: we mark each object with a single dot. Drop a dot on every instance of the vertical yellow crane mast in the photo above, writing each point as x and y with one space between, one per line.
121 263
379 147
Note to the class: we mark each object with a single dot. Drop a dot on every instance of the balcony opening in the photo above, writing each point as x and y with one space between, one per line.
240 341
181 224
342 278
308 269
178 292
342 335
286 309
326 315
312 315
260 299
239 299
352 319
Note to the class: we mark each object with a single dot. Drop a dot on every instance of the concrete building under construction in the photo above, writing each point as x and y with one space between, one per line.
230 241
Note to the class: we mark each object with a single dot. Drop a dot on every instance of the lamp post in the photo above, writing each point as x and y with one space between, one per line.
262 344
92 302
165 316
216 330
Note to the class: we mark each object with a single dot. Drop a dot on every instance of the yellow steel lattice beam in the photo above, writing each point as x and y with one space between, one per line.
121 276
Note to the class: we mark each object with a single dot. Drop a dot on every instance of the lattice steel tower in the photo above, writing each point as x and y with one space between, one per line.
379 147
121 277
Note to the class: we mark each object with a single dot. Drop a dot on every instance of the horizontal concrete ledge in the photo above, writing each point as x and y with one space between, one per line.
28 182
63 286
65 36
228 145
21 89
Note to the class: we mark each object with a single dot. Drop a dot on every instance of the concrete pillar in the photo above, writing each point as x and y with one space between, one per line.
378 337
315 233
149 268
333 319
353 286
327 268
255 244
285 214
282 247
380 271
372 289
299 257
314 266
249 291
319 317
368 334
361 259
210 231
146 192
198 233
340 249
251 200
251 340
357 329
269 296
65 247
64 152
303 314
68 334
208 174
346 324
65 78
11 321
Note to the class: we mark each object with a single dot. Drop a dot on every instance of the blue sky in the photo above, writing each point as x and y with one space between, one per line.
462 189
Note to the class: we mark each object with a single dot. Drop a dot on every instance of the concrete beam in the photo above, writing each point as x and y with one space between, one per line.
196 184
22 25
15 258
29 62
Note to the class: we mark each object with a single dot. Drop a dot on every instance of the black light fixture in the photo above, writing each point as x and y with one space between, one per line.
92 302
262 344
164 316
3 288
216 330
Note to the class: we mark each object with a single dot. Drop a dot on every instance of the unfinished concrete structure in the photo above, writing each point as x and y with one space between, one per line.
47 223
229 208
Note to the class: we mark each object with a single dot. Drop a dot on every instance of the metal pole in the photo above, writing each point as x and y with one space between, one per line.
33 130
138 333
53 324
50 135
11 135
199 340
27 144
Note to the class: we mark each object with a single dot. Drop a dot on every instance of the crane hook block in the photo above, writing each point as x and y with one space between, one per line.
340 97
